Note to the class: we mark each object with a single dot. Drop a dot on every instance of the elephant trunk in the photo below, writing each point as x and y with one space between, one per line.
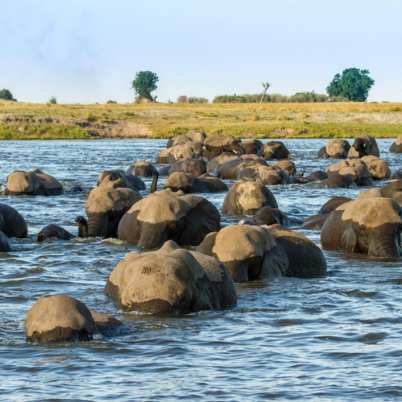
154 185
97 225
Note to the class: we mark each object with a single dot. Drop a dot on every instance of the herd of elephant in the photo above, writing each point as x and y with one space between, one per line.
188 261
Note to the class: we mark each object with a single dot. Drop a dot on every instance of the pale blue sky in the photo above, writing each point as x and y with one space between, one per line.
89 50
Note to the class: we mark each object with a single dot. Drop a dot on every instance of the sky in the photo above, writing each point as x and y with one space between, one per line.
85 51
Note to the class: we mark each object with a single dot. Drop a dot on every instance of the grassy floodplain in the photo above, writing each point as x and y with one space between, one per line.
162 120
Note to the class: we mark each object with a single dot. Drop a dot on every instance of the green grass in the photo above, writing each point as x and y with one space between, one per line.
287 120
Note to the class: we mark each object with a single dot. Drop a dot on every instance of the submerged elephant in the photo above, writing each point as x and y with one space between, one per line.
396 147
170 280
12 224
316 221
180 181
32 183
105 206
370 226
248 252
275 150
335 148
166 215
124 179
59 318
364 146
53 232
247 197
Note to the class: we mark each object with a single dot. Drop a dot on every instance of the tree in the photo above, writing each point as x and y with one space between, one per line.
5 94
353 84
265 86
53 100
144 83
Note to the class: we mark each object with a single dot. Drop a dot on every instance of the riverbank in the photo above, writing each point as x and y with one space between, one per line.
20 121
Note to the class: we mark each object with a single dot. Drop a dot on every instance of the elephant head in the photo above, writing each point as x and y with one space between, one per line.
370 226
246 197
165 215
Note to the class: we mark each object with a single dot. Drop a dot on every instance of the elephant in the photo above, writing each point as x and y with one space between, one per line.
286 165
247 197
53 232
396 147
267 175
252 146
364 146
248 252
231 169
318 175
105 206
142 168
189 150
124 179
377 168
316 221
270 216
166 215
275 150
171 280
397 174
215 163
370 226
180 181
192 136
59 318
305 259
194 167
12 223
36 182
215 145
335 148
354 168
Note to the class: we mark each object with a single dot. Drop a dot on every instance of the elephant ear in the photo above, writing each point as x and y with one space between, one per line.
349 239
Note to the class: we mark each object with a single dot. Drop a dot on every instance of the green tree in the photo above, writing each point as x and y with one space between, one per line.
144 83
353 84
53 100
5 94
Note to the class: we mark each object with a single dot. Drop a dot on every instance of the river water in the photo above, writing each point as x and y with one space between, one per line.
335 338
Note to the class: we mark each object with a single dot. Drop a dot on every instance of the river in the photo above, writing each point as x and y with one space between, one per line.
334 338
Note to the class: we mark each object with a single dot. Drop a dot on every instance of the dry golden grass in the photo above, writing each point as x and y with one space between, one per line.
273 120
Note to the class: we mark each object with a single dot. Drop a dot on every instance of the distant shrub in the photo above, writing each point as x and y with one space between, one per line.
6 94
53 100
111 102
299 97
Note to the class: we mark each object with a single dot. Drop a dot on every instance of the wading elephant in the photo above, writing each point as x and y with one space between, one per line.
188 184
370 226
170 280
247 197
105 206
396 147
32 183
166 215
364 146
123 179
336 148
